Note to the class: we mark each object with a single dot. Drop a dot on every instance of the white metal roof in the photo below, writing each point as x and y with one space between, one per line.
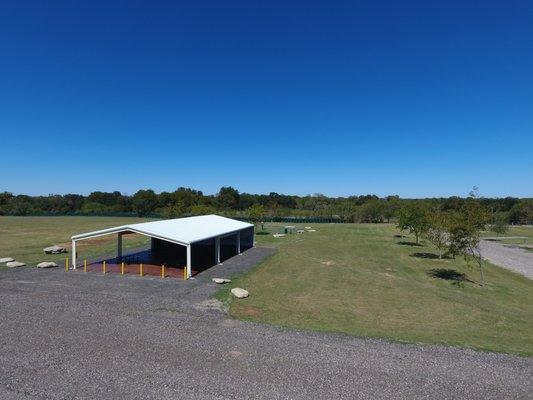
180 230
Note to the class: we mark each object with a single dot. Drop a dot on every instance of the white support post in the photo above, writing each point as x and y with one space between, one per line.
73 254
119 246
189 261
217 250
239 242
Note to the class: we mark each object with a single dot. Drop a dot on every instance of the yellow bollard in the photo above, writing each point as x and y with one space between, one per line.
185 273
163 271
104 268
122 267
84 265
66 264
140 270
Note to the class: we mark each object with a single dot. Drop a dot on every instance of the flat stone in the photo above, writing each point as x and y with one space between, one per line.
221 280
47 264
6 260
54 250
240 293
15 264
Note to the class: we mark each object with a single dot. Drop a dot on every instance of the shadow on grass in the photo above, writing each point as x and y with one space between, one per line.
429 256
262 233
400 236
457 278
410 244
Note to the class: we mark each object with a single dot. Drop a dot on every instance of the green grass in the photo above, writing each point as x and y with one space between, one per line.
23 238
359 280
521 231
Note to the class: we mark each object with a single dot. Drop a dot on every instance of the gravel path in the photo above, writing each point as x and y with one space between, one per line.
70 335
508 256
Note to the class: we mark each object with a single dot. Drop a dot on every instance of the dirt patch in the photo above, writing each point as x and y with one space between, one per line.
326 262
249 311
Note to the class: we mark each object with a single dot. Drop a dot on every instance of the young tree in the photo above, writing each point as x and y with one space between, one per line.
437 232
414 218
499 226
256 213
465 233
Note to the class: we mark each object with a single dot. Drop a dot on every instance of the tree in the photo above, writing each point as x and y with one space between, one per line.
414 218
371 211
144 202
500 224
391 207
202 209
256 213
228 198
465 232
437 232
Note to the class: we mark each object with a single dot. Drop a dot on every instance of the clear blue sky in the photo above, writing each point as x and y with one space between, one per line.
415 98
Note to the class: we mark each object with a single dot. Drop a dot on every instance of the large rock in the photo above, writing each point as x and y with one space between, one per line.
6 260
54 250
15 264
221 280
47 264
239 293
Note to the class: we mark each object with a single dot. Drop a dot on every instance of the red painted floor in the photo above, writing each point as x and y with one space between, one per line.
134 269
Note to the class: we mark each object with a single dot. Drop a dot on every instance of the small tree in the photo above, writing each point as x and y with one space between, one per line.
499 226
414 218
437 232
465 233
256 213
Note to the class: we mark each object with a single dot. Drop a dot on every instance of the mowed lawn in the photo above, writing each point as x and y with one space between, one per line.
23 238
364 280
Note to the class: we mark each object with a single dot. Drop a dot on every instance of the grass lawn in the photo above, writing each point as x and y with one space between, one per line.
364 280
514 231
23 238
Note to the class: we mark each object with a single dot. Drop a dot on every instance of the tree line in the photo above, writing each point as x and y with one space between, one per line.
229 201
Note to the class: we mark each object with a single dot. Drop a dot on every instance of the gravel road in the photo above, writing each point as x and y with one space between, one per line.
508 256
70 335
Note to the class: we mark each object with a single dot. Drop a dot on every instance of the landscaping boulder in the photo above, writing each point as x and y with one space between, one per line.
6 260
47 264
15 264
239 293
54 250
221 280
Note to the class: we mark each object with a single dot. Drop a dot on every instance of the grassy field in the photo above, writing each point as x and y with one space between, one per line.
359 279
365 280
23 238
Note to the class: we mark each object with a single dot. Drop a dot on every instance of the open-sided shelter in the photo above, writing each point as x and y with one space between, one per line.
205 239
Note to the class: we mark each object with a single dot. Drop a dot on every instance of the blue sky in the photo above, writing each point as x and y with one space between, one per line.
415 98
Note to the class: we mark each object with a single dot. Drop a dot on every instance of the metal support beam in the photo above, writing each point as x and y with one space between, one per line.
217 250
239 242
119 246
189 263
73 254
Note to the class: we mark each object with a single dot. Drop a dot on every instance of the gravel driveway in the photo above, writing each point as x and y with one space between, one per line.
508 256
70 335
